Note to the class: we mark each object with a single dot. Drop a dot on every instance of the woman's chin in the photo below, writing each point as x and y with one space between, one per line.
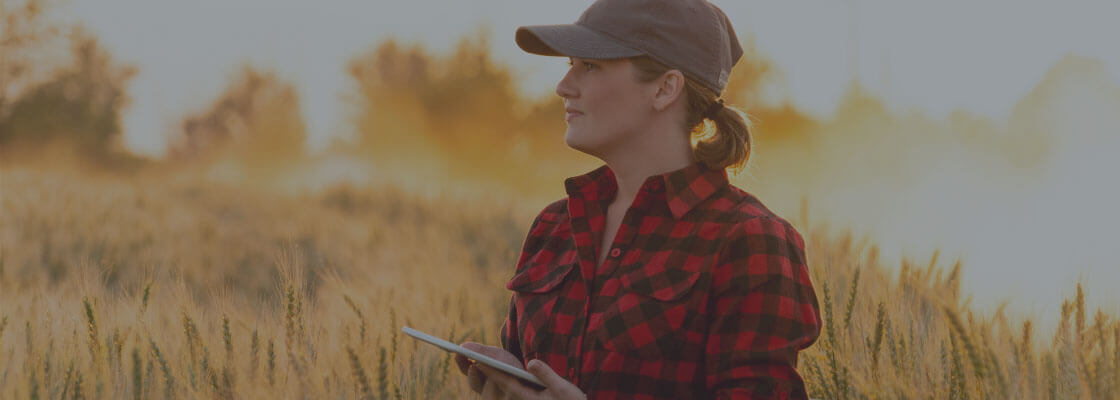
575 142
583 143
571 139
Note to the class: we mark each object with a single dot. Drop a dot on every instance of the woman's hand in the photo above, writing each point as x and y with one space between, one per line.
475 376
495 384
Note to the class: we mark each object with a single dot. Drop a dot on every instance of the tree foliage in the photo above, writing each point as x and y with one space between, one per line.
78 107
25 33
463 108
256 120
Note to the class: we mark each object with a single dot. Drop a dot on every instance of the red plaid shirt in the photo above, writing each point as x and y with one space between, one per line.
705 292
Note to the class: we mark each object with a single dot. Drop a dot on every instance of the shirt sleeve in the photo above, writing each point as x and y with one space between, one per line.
511 341
510 337
765 312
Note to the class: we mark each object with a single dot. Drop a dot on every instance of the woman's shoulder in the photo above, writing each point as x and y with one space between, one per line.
548 230
553 212
757 230
744 208
546 251
751 219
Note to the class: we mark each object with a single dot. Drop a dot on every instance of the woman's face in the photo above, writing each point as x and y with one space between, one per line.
605 107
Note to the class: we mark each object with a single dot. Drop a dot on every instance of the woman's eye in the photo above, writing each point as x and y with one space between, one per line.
586 65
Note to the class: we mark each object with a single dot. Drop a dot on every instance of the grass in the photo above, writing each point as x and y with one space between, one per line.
184 290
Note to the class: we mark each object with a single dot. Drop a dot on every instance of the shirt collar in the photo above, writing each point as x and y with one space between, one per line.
684 188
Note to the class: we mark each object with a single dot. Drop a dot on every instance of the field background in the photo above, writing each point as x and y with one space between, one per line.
244 263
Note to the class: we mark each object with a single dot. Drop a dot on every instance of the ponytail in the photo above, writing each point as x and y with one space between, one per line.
726 141
729 143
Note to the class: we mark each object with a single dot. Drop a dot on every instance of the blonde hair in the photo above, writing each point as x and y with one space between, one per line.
729 144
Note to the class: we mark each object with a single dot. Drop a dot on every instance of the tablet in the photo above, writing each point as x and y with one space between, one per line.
519 373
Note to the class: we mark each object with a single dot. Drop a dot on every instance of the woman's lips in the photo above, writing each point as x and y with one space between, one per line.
571 113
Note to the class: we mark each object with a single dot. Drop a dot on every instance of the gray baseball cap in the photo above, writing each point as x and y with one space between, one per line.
693 36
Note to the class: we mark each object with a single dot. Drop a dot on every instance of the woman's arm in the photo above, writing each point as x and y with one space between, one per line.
511 341
765 312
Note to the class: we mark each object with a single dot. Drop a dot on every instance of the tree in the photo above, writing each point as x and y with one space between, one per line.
462 110
256 120
25 38
78 107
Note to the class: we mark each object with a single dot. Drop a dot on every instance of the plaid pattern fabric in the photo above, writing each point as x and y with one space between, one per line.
704 294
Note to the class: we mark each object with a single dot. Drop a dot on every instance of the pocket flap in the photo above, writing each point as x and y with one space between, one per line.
660 280
540 278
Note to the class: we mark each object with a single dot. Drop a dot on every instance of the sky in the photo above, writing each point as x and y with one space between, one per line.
932 57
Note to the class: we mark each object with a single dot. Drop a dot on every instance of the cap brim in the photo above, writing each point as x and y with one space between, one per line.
571 41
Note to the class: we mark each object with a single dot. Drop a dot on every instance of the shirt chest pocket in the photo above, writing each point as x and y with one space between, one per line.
655 314
538 292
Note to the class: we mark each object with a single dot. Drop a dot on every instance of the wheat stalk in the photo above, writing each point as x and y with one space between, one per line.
254 355
190 332
227 383
227 338
271 363
1079 315
1116 359
393 332
359 374
91 321
137 377
1051 375
33 386
3 325
995 368
169 379
144 299
839 373
851 300
382 375
969 347
815 385
78 387
290 320
1025 354
959 387
361 318
880 316
67 381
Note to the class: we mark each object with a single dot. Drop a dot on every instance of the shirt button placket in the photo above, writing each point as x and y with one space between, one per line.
615 252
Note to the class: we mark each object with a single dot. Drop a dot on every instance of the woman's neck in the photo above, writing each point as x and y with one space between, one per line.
657 155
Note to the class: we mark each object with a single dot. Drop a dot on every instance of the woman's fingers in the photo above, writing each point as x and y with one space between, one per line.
476 378
492 391
496 353
482 379
508 384
545 373
463 363
555 383
556 387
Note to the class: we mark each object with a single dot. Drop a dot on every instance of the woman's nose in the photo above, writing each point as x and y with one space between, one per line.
565 88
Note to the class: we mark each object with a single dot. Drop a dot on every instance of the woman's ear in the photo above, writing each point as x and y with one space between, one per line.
669 87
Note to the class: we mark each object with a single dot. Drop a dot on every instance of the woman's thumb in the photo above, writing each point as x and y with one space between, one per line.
543 372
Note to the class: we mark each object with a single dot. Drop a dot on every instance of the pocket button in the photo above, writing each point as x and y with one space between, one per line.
615 252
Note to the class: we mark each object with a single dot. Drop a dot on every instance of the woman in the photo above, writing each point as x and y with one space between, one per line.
654 277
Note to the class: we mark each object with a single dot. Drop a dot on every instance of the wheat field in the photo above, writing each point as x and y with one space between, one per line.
181 288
